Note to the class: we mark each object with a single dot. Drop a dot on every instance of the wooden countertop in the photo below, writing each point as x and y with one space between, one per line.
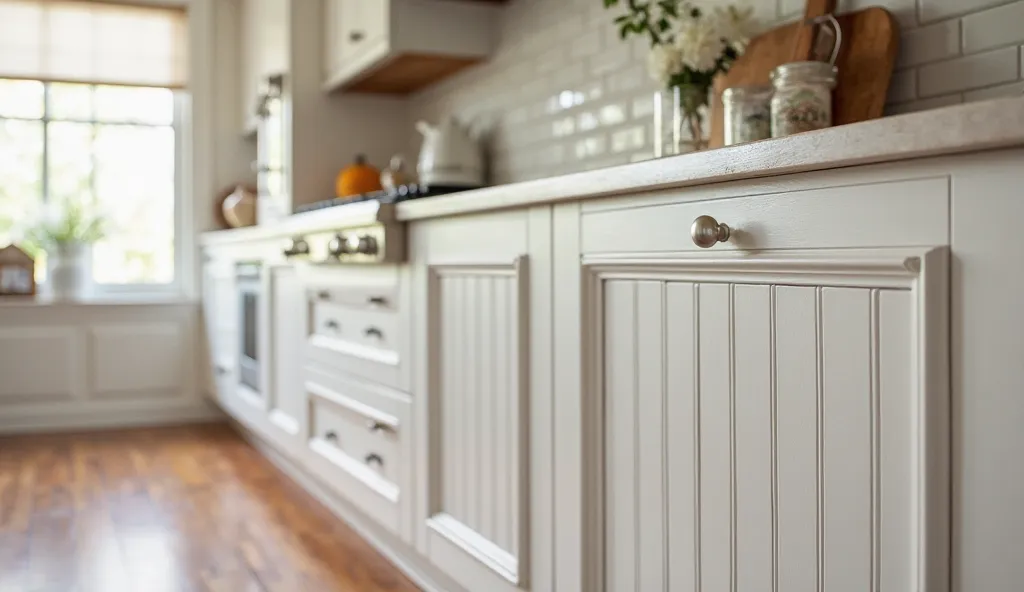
971 127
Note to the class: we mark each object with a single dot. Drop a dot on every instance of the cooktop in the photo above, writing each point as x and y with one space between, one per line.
399 194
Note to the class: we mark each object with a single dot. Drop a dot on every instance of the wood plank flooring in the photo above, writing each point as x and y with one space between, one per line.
169 509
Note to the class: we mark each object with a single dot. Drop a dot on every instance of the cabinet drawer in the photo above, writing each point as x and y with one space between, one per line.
892 214
383 297
358 436
370 328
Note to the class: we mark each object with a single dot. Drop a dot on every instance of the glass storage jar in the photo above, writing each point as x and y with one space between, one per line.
747 114
803 97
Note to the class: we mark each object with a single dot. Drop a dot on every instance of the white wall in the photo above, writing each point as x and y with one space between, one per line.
951 51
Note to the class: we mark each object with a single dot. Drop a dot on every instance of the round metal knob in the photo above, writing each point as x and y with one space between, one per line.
337 246
706 232
297 246
367 245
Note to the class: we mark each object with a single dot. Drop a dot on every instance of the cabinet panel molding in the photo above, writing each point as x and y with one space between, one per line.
39 364
770 422
478 462
124 358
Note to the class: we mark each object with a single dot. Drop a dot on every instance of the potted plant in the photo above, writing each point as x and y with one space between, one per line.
66 231
689 47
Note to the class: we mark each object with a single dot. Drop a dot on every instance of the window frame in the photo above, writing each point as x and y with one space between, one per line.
179 125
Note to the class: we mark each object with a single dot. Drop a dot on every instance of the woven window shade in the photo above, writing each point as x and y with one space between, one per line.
92 41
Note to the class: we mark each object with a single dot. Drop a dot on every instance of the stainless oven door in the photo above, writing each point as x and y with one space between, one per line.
249 288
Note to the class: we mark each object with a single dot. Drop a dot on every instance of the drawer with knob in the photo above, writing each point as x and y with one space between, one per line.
358 438
850 216
358 340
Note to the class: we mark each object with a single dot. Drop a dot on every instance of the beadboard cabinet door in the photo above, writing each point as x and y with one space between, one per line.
483 398
771 421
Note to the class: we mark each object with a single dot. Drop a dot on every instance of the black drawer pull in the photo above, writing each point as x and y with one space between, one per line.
374 458
323 295
374 332
333 325
377 300
376 426
331 436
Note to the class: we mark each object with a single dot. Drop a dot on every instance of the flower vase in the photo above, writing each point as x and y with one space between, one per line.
679 120
69 271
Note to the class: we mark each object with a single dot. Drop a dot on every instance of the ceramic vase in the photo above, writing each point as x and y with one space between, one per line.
69 273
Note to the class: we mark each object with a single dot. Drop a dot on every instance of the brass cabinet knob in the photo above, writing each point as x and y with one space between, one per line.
706 232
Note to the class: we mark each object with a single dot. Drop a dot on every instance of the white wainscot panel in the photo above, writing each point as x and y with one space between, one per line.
38 364
138 359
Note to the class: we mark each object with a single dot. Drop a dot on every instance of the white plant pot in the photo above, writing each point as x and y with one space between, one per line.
69 274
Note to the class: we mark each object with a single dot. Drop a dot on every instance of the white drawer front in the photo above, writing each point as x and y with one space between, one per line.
356 331
370 328
893 214
358 442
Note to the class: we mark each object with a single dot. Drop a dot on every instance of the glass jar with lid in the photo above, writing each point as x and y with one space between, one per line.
747 114
803 97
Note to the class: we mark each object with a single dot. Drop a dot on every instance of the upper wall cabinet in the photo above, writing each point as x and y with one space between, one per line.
264 51
401 46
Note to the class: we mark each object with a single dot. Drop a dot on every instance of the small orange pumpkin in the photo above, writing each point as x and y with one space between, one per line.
357 179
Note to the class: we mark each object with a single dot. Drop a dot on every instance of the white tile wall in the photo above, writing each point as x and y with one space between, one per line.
565 94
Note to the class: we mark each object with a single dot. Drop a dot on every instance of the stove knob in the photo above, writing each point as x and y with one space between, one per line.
337 246
367 245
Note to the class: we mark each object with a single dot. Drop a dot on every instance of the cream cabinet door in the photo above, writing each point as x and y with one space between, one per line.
771 422
363 24
220 318
287 400
483 398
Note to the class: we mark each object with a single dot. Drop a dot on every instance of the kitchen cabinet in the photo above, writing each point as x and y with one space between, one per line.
809 403
483 396
263 51
220 319
283 366
401 46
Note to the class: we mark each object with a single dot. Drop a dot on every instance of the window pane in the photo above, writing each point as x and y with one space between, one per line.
70 161
21 173
21 98
71 101
135 187
136 105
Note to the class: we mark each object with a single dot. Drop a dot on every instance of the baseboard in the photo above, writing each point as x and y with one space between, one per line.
58 420
398 553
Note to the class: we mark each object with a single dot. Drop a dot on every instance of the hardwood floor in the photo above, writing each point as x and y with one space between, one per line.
169 509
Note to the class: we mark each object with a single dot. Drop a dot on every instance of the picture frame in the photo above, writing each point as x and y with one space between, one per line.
17 272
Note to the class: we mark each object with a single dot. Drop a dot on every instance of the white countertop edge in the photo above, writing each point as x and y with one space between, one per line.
971 127
39 301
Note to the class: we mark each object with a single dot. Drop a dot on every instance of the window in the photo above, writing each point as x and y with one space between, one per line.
112 146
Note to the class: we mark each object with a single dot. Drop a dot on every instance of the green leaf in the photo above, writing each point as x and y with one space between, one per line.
621 19
663 25
610 3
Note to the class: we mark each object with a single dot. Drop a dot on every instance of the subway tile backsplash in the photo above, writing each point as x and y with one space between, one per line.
562 93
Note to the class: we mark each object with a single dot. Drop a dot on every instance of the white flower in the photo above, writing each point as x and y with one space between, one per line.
664 62
736 26
699 43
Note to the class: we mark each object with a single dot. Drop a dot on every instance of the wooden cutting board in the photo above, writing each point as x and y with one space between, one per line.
865 62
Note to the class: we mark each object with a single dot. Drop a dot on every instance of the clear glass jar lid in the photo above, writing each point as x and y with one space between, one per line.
805 72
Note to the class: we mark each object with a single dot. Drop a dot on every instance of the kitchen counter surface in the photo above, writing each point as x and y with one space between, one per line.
962 128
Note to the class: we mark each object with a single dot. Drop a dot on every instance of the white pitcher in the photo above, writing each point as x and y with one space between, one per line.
450 155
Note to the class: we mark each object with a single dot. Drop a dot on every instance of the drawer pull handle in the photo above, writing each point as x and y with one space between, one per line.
376 426
323 295
331 436
374 332
356 36
373 458
333 325
377 300
706 232
221 370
